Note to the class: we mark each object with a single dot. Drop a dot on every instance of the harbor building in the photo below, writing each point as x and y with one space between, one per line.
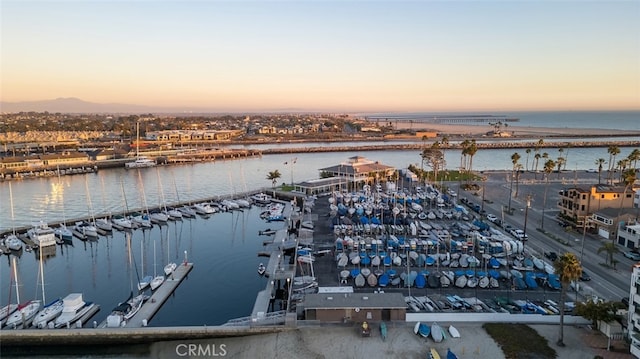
355 307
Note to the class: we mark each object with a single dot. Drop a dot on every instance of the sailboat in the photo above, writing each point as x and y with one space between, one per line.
171 266
157 279
9 308
105 222
51 310
142 219
11 240
146 280
127 309
120 221
141 161
171 213
187 211
87 228
25 311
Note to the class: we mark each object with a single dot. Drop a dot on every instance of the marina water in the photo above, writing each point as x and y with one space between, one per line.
223 248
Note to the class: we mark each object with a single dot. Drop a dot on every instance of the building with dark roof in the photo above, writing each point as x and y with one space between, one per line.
358 307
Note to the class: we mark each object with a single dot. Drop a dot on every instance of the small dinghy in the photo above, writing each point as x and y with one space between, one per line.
453 331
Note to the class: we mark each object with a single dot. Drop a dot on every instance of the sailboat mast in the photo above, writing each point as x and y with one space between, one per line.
15 276
42 275
137 139
13 220
155 274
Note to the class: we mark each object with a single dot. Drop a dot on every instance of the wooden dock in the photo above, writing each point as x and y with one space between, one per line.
159 296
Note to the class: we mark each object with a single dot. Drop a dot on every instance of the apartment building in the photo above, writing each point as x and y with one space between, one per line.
578 203
633 319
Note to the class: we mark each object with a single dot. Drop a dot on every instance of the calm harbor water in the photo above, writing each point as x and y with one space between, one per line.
223 247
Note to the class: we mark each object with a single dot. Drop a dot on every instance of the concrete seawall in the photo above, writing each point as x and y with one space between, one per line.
69 337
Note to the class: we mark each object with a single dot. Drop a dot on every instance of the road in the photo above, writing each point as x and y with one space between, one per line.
606 283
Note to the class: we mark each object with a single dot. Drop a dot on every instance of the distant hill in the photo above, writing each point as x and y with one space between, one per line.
75 105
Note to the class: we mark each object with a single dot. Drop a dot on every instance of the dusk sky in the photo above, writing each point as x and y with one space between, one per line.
325 56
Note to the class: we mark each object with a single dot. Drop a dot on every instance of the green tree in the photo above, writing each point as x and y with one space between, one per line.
273 176
597 310
526 166
599 163
569 269
610 249
628 179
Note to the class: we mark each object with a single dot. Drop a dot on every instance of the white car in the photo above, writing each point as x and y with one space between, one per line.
592 170
519 233
491 218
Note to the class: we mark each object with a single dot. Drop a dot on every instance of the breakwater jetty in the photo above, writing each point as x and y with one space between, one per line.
421 146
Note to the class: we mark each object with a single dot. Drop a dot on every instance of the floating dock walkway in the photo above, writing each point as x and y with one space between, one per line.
277 269
159 296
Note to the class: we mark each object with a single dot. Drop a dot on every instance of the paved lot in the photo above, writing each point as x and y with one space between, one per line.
345 342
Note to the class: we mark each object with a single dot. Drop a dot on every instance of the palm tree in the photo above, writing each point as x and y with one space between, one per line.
537 158
445 143
566 157
528 152
634 157
559 163
610 248
628 178
613 151
518 170
515 157
599 163
622 166
471 151
548 169
463 155
569 269
273 177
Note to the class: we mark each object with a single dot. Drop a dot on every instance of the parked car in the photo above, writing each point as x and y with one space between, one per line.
491 218
632 255
519 233
552 256
585 276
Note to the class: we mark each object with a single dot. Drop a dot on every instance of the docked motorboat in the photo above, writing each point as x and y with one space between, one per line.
12 242
73 308
261 269
140 162
42 235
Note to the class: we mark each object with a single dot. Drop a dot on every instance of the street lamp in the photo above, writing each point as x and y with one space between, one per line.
526 214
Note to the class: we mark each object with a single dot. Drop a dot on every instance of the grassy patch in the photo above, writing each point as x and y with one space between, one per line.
520 341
